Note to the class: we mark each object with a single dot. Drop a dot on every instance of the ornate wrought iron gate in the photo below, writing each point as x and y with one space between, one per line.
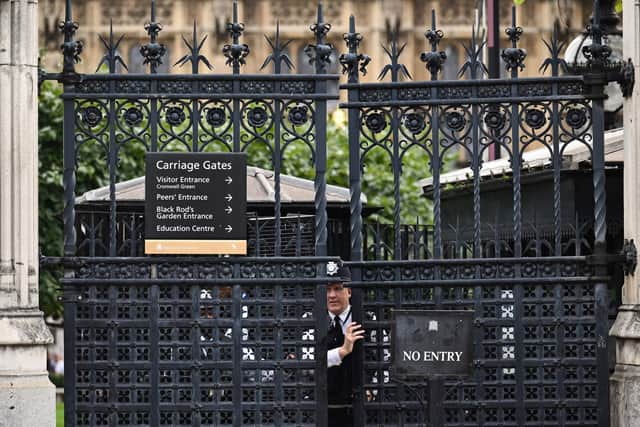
241 341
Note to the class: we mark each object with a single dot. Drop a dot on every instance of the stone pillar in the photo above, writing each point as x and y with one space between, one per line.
625 382
27 398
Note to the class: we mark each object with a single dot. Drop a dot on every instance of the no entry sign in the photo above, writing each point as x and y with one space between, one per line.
432 343
195 203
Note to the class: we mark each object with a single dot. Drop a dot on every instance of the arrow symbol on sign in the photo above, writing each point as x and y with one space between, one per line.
228 180
228 228
228 197
228 209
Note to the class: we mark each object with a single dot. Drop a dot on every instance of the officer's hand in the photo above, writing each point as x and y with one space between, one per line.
353 334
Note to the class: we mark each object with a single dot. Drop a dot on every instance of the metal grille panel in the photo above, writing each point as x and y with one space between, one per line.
534 343
238 345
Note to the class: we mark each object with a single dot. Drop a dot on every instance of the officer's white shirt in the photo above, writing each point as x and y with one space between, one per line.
333 355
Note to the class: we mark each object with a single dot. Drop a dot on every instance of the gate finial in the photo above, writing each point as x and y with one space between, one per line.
153 51
320 52
235 52
278 54
353 61
597 53
514 56
194 52
111 57
71 49
434 59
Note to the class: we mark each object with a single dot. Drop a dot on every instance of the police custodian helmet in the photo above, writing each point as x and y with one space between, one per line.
339 271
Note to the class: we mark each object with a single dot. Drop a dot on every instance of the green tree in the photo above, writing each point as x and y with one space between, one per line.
50 191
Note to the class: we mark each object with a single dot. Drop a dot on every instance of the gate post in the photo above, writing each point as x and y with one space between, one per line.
625 382
27 397
354 63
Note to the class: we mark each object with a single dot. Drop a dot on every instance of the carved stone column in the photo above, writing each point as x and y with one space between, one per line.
625 382
27 398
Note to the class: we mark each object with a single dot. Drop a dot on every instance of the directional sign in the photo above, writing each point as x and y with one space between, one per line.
432 343
195 203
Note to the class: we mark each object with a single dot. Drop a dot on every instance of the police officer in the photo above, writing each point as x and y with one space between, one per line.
342 335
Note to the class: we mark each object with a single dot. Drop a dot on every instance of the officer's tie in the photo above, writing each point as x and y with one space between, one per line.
336 336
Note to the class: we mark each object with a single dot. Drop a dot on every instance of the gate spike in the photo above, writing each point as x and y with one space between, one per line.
473 50
555 47
194 52
235 14
397 69
278 54
111 57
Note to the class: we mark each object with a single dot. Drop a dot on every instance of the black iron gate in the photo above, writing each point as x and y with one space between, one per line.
210 341
541 323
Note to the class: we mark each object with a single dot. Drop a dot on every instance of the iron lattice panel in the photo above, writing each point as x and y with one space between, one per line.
162 351
535 343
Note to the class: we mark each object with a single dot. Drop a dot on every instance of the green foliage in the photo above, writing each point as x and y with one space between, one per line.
50 191
57 379
377 179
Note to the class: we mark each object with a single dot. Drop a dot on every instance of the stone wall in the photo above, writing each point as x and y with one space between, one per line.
26 395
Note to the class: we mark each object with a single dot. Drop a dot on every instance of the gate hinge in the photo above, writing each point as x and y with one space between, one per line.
627 78
623 73
64 77
630 254
627 257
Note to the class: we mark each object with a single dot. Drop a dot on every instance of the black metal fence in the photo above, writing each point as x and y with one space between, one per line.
241 341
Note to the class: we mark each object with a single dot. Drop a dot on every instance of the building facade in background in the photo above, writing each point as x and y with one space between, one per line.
375 18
